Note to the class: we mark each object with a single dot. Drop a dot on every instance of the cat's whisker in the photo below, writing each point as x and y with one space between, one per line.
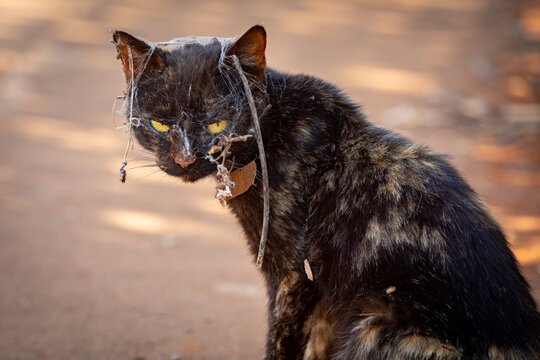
142 163
137 152
149 174
142 150
141 153
144 156
141 158
142 166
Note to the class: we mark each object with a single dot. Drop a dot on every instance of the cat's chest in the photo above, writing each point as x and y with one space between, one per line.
289 205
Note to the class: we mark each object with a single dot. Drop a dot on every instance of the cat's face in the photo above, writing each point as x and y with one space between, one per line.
187 96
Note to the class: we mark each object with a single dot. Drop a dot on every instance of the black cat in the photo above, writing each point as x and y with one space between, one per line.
407 262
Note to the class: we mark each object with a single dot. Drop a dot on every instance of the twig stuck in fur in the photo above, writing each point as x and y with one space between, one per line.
262 156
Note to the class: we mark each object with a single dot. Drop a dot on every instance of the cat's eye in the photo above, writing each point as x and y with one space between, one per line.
218 126
159 127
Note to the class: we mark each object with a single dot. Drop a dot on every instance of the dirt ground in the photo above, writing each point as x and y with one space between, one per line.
157 269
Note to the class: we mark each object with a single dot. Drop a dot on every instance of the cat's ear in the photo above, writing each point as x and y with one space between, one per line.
143 54
250 49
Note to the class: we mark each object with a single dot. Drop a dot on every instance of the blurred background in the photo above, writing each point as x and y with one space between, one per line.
156 269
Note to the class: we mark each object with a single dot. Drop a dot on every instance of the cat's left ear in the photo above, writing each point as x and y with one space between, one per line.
250 49
143 54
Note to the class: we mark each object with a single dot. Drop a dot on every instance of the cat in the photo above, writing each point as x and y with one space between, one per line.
405 261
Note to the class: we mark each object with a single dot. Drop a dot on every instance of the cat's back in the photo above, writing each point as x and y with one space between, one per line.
401 246
424 253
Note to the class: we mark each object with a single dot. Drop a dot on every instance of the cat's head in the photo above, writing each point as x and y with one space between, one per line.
185 94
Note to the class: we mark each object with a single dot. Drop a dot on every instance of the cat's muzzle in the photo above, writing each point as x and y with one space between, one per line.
184 162
181 148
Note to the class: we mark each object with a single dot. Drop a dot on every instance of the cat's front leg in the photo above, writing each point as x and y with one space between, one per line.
321 336
291 303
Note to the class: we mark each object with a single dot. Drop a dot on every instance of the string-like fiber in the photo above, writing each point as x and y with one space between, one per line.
123 172
131 120
262 156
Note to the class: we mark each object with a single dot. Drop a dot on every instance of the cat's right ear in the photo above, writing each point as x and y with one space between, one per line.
138 52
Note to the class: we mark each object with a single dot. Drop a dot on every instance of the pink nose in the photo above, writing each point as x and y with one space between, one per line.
183 162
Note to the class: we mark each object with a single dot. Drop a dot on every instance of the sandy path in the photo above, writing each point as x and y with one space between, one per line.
92 269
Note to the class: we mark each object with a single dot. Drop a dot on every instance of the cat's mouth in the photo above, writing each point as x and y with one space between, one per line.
189 178
191 173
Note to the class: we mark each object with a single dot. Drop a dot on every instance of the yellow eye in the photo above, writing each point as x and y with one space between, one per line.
218 126
162 128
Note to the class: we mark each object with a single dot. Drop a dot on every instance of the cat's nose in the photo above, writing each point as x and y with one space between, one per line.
183 161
